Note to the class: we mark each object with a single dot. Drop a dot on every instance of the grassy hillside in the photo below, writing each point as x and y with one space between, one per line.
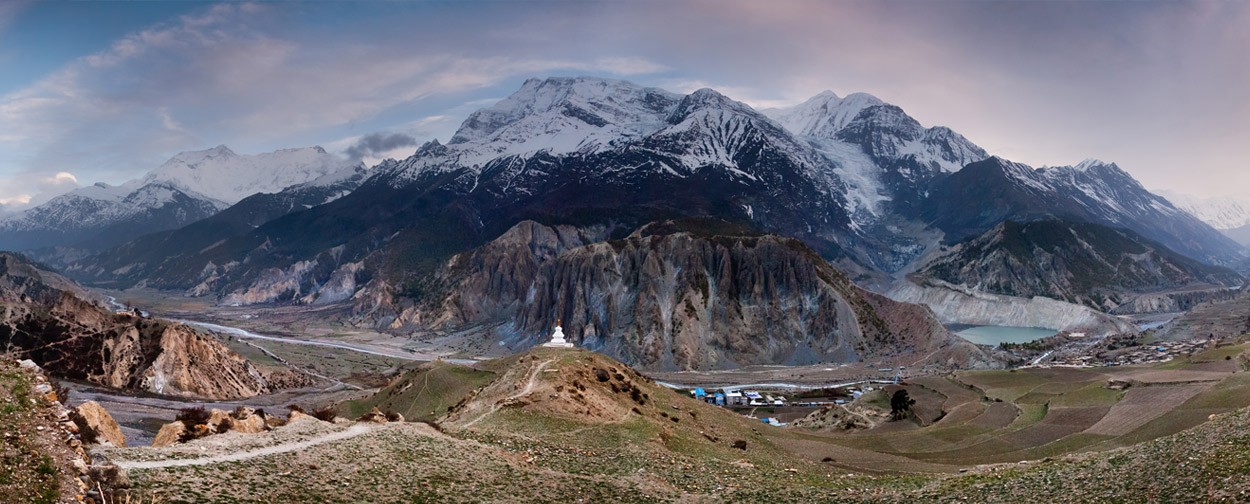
570 425
424 393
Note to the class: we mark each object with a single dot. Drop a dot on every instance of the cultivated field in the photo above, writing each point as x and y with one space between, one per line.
985 417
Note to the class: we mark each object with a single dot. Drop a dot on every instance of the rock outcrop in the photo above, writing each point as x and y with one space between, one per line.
197 423
960 305
96 425
674 296
44 318
169 434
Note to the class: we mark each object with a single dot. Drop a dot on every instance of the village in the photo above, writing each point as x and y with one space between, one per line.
1135 354
783 407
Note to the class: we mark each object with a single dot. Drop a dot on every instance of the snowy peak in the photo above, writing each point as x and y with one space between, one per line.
823 115
1222 213
1091 163
220 174
706 99
566 115
880 130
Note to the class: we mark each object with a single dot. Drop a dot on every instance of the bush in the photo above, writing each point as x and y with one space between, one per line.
62 393
740 444
326 414
392 416
602 375
191 417
297 408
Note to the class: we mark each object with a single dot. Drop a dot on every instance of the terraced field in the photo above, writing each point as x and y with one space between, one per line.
972 418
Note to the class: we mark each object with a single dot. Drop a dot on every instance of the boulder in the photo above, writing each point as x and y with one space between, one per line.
250 424
169 434
96 425
218 417
297 415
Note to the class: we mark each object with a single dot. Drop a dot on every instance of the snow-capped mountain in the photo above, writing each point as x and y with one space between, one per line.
188 187
1221 213
854 178
224 176
885 157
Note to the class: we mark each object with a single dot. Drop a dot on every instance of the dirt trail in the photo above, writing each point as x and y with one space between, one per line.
530 382
350 432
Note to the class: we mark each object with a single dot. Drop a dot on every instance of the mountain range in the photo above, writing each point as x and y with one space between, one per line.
853 181
186 188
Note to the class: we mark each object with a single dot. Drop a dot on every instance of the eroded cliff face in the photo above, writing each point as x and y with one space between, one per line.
955 304
669 297
76 339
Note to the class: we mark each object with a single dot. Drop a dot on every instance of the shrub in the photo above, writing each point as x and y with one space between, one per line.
602 375
225 425
298 408
392 416
740 444
326 414
62 393
191 417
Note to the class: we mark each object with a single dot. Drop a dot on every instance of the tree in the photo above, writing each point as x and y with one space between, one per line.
900 405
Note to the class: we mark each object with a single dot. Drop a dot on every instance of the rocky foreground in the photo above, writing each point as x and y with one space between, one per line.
47 319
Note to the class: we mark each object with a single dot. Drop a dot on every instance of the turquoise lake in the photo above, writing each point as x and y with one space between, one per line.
994 335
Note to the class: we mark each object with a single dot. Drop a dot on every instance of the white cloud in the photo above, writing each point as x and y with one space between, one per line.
61 178
20 199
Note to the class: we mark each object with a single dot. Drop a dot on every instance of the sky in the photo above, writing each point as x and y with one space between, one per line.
106 91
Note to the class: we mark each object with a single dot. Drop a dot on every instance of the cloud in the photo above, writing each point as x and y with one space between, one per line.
375 144
61 178
20 199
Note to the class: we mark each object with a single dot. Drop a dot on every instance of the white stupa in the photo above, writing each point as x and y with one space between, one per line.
557 339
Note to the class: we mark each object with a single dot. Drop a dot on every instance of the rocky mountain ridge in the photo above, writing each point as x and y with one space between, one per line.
669 296
1081 263
76 339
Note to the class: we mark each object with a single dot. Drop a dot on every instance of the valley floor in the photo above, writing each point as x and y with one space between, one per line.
1171 432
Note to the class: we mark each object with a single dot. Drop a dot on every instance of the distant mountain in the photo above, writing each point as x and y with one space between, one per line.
1077 262
164 254
1221 213
587 151
983 194
187 188
854 179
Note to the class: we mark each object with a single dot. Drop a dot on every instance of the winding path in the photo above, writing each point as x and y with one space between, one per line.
348 433
534 373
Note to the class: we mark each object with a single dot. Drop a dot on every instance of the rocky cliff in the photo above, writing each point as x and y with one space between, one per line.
73 338
688 295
